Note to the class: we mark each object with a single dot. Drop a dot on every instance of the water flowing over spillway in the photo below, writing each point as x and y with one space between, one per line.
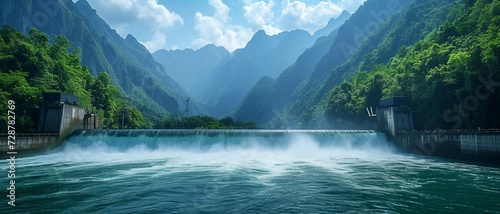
213 140
242 171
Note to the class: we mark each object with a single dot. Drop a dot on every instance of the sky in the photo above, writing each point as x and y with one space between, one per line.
180 24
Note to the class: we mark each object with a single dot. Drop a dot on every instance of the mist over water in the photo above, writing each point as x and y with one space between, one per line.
248 172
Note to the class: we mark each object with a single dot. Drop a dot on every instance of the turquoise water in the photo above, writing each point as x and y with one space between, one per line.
246 172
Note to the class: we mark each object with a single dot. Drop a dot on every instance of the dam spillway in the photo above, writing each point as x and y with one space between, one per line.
470 145
210 132
208 139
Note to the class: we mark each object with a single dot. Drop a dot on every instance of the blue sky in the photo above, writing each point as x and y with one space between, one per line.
179 24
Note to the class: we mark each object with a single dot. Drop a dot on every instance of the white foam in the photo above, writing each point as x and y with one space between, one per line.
250 155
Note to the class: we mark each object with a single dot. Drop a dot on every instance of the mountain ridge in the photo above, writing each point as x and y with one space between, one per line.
131 67
190 67
332 24
296 91
263 55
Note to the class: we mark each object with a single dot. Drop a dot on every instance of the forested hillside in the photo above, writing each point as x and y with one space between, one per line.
452 75
129 64
444 54
292 101
268 96
31 65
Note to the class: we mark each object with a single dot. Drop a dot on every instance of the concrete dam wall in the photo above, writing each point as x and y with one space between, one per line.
456 144
30 142
395 118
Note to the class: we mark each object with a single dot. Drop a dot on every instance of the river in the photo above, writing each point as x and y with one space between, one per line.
245 172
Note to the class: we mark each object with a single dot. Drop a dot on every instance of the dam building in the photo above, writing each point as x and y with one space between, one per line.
59 116
394 114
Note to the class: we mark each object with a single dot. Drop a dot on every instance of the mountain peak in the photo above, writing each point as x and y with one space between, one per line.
344 14
298 31
333 24
259 39
260 33
131 38
213 47
83 4
135 44
209 46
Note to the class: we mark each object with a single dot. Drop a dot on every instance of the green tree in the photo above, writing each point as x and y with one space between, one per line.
31 65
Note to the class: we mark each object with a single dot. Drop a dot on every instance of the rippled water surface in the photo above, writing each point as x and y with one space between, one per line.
303 172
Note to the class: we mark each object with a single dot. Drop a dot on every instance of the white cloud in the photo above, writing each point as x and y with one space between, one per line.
260 16
143 18
217 29
158 42
221 10
121 13
296 14
125 15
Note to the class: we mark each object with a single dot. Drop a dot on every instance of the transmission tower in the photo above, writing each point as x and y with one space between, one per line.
123 109
186 107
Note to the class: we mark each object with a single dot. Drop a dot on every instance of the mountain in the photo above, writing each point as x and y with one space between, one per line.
416 20
268 95
189 67
130 65
261 105
333 24
221 80
264 55
451 72
295 99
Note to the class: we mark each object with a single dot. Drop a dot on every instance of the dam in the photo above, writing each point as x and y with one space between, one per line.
62 120
205 140
246 171
256 171
467 145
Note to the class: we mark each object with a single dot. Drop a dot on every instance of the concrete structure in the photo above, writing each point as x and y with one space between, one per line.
394 115
59 116
471 145
28 143
395 118
91 121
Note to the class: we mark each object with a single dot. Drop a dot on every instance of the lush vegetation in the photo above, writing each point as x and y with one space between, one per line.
129 64
452 75
31 65
294 100
206 122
